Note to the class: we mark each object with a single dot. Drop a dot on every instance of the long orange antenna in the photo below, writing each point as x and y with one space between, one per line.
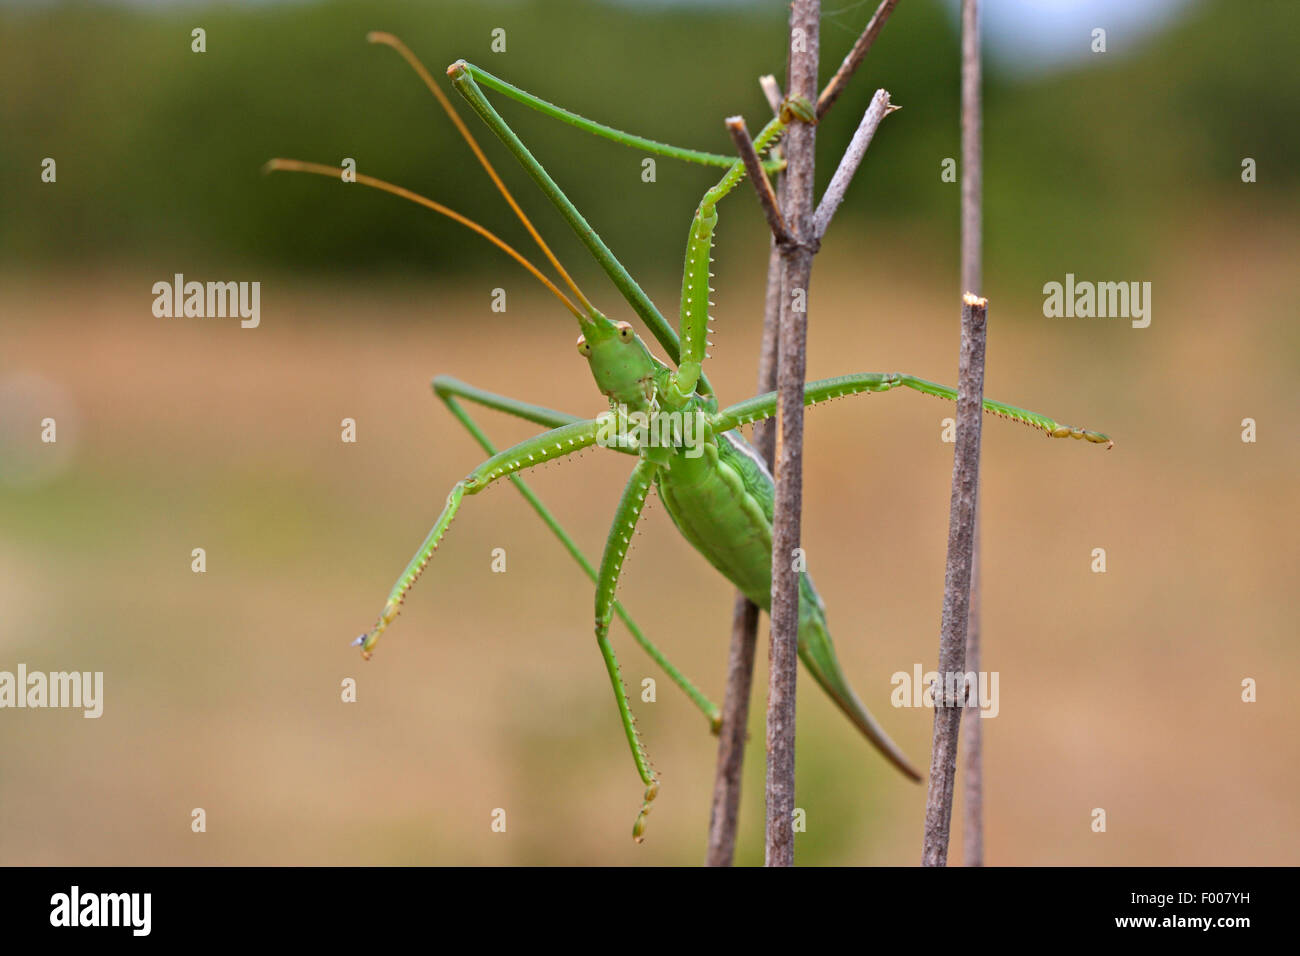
336 172
389 40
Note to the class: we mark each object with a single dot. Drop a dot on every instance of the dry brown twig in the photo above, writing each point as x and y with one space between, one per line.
785 273
972 184
725 814
796 271
948 708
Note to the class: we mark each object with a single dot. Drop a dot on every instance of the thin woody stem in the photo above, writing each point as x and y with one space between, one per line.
753 166
880 108
971 271
948 709
783 345
854 58
725 815
796 271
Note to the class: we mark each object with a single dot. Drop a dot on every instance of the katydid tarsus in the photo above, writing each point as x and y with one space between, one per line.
717 491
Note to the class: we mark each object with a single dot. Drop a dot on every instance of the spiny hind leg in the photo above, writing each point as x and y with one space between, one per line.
548 446
616 547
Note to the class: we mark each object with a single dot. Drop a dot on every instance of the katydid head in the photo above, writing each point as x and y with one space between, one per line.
620 362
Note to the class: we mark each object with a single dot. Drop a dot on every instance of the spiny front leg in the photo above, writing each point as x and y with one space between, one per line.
695 303
616 546
556 443
451 391
764 406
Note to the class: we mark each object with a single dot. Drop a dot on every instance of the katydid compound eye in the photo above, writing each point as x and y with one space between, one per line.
583 347
624 331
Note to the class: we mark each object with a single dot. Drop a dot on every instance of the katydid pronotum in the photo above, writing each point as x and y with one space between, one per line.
716 489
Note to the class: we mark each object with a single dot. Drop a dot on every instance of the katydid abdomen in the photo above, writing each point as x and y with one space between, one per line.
721 502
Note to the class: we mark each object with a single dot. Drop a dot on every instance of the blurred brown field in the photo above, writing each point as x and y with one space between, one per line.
222 690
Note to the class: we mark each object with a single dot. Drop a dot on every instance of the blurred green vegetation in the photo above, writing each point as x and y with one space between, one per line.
159 148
